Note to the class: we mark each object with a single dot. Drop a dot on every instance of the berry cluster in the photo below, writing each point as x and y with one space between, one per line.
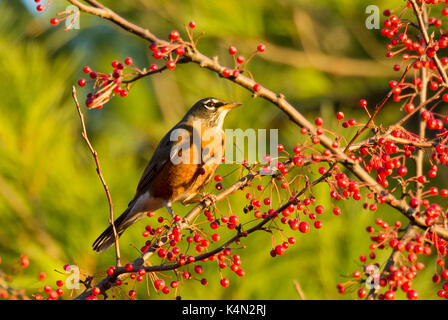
241 63
107 85
378 172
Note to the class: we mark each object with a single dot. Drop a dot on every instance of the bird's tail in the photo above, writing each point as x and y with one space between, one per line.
107 238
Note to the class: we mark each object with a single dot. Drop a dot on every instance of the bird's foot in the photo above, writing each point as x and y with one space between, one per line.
208 196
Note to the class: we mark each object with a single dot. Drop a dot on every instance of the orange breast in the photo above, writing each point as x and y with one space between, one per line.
178 182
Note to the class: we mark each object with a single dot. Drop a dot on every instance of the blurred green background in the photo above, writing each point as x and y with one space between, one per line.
52 206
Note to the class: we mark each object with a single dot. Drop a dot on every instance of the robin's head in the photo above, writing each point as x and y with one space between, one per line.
211 110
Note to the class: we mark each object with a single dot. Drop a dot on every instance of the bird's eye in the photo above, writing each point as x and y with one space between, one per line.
210 105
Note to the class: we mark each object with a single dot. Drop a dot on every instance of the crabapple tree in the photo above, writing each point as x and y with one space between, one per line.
388 164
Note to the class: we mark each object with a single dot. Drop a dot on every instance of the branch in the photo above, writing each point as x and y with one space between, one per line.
100 175
279 101
409 234
138 263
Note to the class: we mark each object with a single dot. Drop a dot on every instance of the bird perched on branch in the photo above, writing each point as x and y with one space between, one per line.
185 160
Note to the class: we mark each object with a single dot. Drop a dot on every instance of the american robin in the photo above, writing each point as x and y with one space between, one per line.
179 167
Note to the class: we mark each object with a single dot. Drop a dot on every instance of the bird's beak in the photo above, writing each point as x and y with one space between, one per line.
230 105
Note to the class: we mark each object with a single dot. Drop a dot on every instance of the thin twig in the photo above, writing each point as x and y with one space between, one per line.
100 175
299 290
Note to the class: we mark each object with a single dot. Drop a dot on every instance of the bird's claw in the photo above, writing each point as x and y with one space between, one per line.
208 196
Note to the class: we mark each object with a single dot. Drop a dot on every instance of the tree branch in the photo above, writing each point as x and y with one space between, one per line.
100 175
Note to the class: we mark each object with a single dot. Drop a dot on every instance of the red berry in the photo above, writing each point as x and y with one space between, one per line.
257 87
24 261
128 61
261 48
82 82
171 64
226 72
233 50
412 295
340 115
87 69
174 35
54 21
362 293
225 282
128 267
304 227
159 284
192 24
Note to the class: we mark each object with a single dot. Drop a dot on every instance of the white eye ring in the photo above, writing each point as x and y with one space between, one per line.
209 107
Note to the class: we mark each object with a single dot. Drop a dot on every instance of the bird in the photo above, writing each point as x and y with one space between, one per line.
167 179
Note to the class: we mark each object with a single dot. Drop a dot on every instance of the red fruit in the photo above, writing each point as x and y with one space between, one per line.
180 51
54 21
128 61
157 54
128 267
389 295
24 261
159 284
174 35
402 171
414 203
42 275
227 72
445 274
192 24
412 295
279 250
240 59
82 82
87 69
53 295
233 50
171 64
96 291
362 293
110 271
261 48
198 269
40 8
257 87
340 115
304 227
225 282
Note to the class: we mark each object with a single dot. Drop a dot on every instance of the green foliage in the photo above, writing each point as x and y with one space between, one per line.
52 205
